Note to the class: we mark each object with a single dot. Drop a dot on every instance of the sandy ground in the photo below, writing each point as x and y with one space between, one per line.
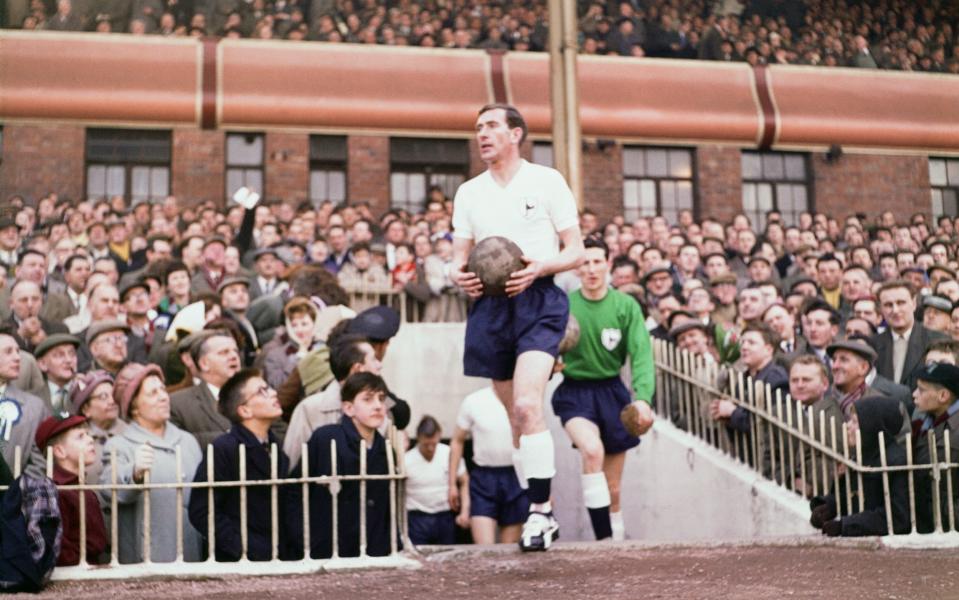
803 569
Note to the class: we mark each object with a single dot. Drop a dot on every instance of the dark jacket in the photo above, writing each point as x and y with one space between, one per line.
918 342
876 414
48 327
226 467
194 409
777 379
948 425
28 505
69 502
378 517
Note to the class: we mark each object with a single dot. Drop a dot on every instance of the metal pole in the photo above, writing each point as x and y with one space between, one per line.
574 140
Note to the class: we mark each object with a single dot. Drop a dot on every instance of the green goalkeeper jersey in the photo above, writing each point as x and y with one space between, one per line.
610 330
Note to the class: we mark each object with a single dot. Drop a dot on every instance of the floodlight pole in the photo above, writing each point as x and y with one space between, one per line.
564 94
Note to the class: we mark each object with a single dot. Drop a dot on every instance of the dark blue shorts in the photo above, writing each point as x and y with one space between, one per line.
599 401
432 528
495 493
499 329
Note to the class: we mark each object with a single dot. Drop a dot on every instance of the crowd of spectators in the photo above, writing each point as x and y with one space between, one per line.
888 34
165 325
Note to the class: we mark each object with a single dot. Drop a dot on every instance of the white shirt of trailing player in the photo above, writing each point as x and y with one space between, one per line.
530 210
484 417
427 482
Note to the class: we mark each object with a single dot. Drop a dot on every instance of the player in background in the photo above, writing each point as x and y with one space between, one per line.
514 339
592 402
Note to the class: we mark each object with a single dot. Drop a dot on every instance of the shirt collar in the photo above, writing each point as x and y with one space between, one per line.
906 335
213 390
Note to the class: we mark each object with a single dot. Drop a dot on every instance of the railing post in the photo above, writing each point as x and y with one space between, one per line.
890 529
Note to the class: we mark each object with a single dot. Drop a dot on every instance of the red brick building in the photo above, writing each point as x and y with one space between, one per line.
718 181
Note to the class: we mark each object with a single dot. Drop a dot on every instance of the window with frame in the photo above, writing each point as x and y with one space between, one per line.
328 157
244 162
131 163
944 186
775 181
657 181
419 164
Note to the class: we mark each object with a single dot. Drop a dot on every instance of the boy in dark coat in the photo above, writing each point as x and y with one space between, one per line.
870 416
364 407
252 406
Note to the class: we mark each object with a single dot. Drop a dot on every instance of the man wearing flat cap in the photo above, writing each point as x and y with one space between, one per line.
268 264
937 314
936 395
107 342
851 361
207 279
57 358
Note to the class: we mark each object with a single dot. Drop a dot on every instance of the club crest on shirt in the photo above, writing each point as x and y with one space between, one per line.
529 206
610 338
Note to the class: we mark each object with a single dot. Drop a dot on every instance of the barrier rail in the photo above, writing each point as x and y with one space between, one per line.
799 448
411 309
109 491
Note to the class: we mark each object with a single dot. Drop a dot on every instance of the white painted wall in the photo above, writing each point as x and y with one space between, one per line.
675 487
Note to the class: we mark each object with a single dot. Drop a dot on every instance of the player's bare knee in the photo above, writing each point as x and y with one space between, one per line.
592 453
528 412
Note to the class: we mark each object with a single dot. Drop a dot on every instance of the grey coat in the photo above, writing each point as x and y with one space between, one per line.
27 411
163 505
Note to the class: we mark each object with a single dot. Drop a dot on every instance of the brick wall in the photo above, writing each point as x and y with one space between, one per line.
198 166
872 184
603 180
38 159
368 171
719 181
287 164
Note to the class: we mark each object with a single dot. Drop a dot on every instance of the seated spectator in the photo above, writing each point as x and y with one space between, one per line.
73 451
148 448
869 417
252 407
364 407
431 518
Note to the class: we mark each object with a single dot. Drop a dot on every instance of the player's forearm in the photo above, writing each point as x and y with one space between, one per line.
456 455
569 258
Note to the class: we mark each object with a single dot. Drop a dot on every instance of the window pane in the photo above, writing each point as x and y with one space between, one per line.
764 197
633 162
96 181
398 191
749 196
116 181
337 186
647 197
244 150
800 201
680 164
234 181
684 194
140 183
447 182
319 191
159 182
937 171
784 196
952 167
630 199
949 205
253 179
936 202
752 166
417 187
773 166
667 195
795 167
656 163
543 154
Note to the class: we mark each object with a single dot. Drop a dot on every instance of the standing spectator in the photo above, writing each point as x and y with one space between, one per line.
863 58
92 397
281 355
937 397
194 409
26 301
57 358
20 412
74 450
363 278
901 346
711 45
252 407
107 341
431 518
148 445
104 306
234 295
364 406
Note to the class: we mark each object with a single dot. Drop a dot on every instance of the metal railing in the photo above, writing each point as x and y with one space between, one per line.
411 309
108 497
798 447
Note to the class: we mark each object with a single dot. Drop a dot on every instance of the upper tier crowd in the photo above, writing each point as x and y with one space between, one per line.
886 34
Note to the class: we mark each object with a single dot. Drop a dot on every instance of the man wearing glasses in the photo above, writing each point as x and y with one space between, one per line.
107 342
